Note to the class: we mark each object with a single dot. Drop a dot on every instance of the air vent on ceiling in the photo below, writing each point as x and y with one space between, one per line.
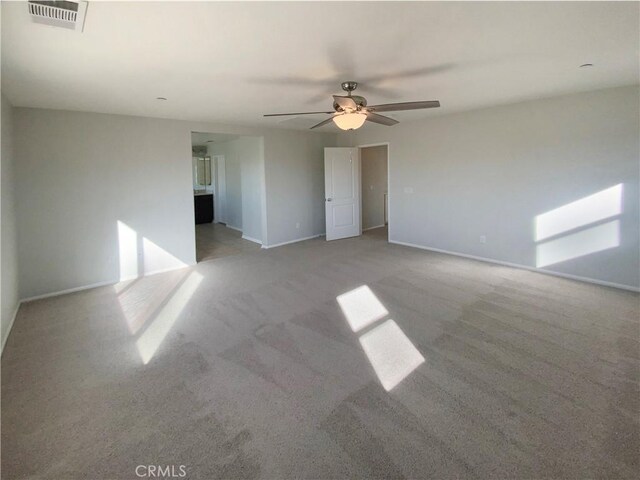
67 14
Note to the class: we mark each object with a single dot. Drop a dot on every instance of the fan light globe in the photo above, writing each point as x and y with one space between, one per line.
350 121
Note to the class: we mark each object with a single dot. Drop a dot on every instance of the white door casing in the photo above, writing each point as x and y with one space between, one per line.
220 198
342 192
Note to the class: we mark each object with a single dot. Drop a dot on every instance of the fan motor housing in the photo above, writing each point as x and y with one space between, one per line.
360 101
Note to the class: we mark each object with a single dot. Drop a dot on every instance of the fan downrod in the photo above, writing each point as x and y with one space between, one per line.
349 86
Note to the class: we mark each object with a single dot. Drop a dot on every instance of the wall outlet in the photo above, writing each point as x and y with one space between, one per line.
298 225
483 239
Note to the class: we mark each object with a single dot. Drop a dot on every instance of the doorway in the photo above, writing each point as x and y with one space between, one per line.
226 171
356 181
374 171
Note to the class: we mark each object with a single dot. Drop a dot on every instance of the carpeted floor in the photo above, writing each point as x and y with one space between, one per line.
214 240
348 359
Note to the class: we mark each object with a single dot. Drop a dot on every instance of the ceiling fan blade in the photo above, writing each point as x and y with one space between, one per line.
396 107
324 122
416 72
345 102
379 91
299 113
291 80
382 120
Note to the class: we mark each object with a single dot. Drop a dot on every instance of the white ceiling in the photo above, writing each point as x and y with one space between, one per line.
233 62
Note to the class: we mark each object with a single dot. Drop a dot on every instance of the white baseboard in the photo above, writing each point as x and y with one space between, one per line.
73 290
146 274
371 228
293 241
254 240
78 289
13 319
99 284
233 228
522 267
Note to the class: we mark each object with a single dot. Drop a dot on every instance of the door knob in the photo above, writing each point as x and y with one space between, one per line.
328 199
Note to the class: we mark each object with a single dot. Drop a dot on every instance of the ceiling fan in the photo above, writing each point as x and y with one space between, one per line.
351 111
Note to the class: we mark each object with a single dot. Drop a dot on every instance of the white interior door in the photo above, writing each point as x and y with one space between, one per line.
342 192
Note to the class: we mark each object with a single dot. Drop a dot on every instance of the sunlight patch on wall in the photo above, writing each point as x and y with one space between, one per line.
157 259
127 251
155 333
577 229
361 307
140 256
391 353
599 206
585 242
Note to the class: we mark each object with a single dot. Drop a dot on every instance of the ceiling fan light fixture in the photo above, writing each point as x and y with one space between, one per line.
350 121
351 111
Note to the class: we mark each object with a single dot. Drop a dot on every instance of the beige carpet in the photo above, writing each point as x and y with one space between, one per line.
348 359
214 240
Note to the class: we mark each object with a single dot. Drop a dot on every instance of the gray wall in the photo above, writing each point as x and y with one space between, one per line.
374 185
244 164
490 172
83 173
87 171
251 153
9 296
232 181
294 168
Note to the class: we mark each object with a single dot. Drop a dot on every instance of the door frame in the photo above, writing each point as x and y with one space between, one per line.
379 144
218 188
357 191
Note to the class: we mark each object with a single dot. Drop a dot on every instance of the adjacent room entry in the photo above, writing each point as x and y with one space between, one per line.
375 192
226 184
356 191
342 192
